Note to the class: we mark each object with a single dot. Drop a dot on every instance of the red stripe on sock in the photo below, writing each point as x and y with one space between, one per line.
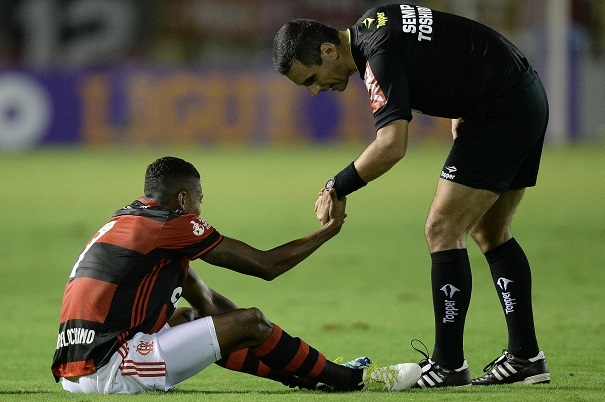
270 343
298 359
319 366
236 359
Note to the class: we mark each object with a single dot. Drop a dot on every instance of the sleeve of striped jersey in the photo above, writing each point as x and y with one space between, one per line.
190 236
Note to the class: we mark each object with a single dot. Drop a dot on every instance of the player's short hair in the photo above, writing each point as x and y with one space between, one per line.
168 176
301 40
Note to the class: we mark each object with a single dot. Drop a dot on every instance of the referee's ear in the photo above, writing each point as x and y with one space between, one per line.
328 50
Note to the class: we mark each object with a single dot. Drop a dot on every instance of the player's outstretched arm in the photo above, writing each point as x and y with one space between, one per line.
243 258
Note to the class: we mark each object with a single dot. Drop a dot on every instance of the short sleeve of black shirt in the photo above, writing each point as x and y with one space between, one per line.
382 68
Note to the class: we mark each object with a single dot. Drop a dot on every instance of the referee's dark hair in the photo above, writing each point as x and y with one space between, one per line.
301 39
168 176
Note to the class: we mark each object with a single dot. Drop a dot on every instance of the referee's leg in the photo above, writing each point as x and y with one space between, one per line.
454 211
511 272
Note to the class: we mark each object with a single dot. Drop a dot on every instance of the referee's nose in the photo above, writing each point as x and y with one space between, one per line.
315 89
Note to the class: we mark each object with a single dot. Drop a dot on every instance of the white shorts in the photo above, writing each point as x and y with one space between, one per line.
154 361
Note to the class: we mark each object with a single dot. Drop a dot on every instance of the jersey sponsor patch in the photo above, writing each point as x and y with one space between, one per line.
377 98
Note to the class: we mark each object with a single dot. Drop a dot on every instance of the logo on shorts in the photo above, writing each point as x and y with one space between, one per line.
449 175
144 348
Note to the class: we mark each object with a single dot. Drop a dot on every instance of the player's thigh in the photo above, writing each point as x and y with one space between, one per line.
188 349
230 331
454 210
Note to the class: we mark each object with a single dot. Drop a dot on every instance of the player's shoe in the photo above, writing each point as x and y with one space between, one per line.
359 363
435 376
398 377
509 369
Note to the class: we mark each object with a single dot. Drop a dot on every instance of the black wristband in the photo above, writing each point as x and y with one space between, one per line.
347 181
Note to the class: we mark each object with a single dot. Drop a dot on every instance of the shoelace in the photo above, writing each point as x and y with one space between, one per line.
387 375
495 362
425 354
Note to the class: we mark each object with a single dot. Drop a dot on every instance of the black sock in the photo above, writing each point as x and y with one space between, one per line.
451 284
512 277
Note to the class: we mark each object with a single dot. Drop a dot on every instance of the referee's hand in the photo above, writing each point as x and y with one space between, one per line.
328 207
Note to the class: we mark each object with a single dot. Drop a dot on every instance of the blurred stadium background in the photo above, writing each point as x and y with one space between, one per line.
140 72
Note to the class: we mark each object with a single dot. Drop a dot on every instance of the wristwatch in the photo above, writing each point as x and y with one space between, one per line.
329 184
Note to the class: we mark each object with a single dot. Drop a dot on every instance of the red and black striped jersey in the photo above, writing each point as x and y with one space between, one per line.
127 279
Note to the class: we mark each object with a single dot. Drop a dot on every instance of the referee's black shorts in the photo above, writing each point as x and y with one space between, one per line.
499 144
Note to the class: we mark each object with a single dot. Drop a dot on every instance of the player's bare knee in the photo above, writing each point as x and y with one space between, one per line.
260 327
183 315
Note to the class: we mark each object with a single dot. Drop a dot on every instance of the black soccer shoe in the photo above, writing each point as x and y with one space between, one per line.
508 369
435 376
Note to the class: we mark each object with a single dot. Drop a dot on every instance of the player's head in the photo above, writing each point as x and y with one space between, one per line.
174 183
309 54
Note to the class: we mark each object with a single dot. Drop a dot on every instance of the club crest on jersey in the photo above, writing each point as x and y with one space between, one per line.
377 98
368 22
198 229
144 348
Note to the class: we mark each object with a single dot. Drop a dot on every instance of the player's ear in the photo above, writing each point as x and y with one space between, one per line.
182 196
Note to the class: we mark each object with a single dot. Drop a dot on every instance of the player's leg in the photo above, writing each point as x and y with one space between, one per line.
241 361
455 209
191 347
244 361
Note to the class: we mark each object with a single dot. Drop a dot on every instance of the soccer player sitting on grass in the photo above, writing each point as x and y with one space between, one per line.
121 331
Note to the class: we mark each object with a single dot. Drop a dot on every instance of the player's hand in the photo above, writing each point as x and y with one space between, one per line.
328 206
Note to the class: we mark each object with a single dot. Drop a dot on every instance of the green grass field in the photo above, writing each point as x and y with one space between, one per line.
366 292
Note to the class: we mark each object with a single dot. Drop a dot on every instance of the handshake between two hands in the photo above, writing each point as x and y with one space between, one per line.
329 207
